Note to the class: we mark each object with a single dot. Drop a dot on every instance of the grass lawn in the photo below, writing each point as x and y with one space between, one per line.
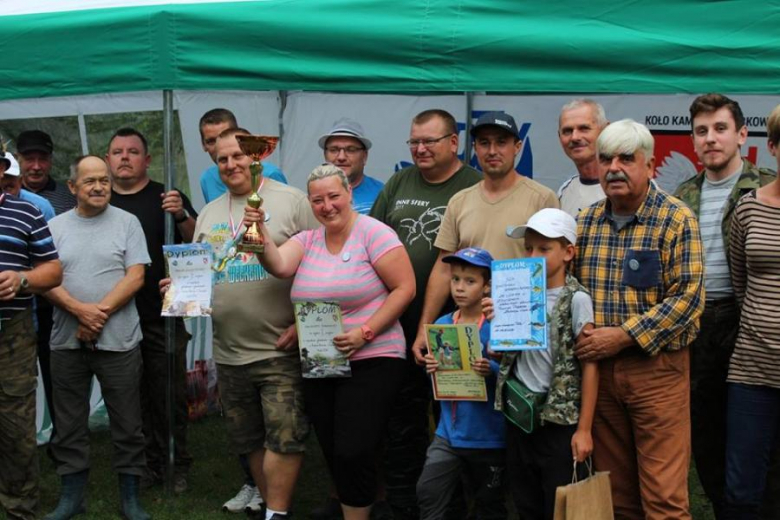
214 477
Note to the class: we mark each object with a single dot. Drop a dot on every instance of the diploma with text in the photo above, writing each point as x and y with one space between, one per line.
519 292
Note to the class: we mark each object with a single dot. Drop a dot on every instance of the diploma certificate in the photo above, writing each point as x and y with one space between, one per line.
519 292
456 347
317 323
189 267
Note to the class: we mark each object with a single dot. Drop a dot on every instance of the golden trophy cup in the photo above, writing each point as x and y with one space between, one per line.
258 147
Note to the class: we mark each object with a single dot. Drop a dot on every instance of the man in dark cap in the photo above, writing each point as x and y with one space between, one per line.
35 149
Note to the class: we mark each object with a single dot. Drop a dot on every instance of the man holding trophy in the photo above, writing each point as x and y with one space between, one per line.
254 333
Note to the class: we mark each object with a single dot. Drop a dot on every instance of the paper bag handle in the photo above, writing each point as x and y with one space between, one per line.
587 463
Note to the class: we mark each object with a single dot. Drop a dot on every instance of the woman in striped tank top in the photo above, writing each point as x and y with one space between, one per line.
753 421
360 263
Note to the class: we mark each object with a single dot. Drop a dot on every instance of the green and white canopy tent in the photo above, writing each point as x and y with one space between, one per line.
291 67
76 47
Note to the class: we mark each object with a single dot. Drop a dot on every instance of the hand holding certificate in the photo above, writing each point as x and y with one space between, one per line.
519 292
189 267
456 348
318 323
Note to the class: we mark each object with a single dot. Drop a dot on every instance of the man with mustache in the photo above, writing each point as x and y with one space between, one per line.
579 125
639 254
718 133
133 191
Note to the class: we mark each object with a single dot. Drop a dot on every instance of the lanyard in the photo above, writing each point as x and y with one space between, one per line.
234 229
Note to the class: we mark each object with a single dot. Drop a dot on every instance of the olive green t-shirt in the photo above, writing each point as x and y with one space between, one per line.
414 208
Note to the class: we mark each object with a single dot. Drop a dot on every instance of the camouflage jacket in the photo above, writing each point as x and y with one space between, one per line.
562 405
751 178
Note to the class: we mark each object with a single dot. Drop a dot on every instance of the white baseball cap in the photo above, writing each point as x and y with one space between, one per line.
549 222
11 166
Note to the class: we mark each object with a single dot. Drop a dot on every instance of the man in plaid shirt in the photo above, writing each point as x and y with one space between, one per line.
639 253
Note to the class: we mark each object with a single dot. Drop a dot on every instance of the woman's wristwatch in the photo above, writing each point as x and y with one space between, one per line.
368 334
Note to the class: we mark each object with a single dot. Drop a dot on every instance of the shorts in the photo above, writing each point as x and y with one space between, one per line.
263 405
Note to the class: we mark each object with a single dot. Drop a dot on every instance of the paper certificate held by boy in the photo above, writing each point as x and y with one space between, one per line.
456 347
317 323
519 292
189 266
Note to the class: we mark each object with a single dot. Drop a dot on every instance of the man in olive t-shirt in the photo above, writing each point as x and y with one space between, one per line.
413 203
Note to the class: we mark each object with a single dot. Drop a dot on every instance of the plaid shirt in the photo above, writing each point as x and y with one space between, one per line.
646 278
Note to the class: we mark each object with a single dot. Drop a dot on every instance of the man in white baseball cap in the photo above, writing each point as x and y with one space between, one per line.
11 183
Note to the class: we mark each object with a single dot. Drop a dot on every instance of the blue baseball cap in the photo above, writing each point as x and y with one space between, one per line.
471 255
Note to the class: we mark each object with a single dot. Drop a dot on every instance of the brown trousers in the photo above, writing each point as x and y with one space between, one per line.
642 433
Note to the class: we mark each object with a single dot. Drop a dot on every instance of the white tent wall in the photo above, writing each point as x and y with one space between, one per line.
386 120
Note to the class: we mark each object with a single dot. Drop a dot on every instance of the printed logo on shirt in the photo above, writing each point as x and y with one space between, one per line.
230 265
423 228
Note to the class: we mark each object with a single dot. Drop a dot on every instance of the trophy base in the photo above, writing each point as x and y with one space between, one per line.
248 247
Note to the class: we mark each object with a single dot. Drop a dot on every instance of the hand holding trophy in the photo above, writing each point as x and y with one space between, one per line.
258 147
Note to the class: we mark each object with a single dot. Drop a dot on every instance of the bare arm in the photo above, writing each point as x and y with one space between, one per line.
582 440
92 316
436 293
42 277
124 290
281 261
173 203
395 271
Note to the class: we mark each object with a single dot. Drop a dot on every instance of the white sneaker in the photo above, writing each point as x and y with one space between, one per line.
238 503
256 504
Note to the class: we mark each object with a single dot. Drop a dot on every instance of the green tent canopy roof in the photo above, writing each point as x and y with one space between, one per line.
401 46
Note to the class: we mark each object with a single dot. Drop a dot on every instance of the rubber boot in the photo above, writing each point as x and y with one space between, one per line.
71 497
130 508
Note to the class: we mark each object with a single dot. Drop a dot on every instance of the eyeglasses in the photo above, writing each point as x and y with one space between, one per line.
349 150
427 143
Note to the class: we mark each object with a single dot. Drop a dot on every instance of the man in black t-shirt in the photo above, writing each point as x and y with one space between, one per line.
133 191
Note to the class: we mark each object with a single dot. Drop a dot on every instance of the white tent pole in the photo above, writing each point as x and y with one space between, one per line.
282 107
467 141
83 133
170 327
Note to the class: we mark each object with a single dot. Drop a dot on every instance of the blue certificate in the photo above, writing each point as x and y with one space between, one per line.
519 292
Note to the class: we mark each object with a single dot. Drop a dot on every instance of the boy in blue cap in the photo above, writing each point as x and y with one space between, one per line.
470 436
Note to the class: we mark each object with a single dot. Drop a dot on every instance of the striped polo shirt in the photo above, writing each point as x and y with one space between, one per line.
714 195
755 274
58 195
24 241
349 278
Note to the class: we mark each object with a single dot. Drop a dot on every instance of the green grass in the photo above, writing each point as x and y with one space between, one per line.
214 477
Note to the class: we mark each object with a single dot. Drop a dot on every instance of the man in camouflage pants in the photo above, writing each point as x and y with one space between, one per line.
30 266
255 345
718 133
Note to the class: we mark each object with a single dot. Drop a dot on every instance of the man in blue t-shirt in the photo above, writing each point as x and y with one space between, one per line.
213 123
346 146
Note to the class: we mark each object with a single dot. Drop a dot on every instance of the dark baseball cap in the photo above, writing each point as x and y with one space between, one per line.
500 119
470 255
34 141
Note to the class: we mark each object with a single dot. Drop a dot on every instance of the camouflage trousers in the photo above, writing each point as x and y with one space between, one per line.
18 452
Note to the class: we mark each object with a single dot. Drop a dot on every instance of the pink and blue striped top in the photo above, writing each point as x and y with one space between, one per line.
349 278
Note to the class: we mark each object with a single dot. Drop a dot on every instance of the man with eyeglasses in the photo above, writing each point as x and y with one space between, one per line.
413 203
346 146
480 215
